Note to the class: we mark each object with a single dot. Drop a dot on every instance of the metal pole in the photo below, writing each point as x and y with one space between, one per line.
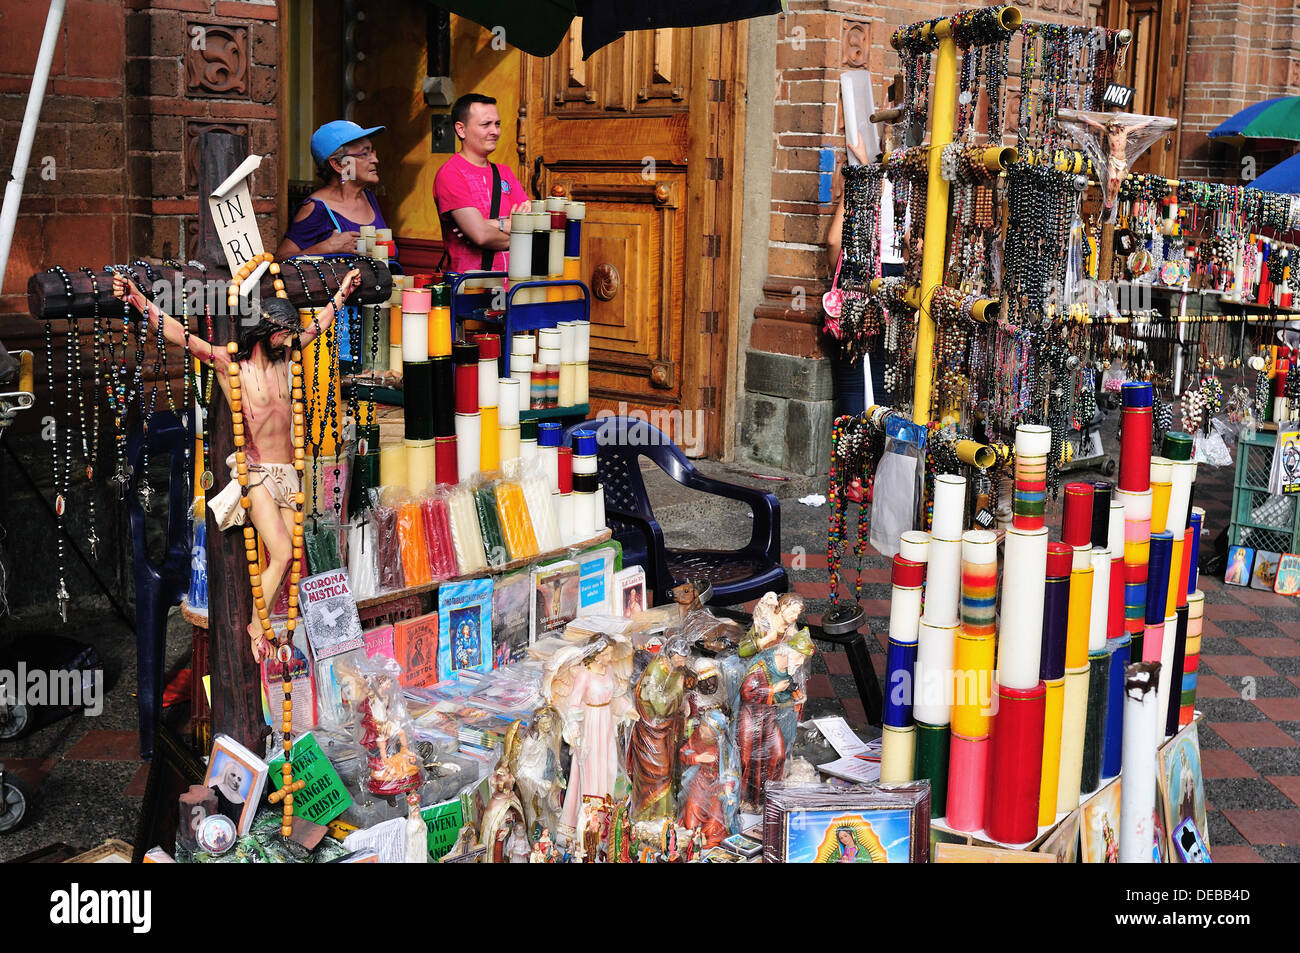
23 155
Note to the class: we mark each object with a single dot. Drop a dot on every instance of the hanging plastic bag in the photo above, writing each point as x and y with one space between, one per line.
896 490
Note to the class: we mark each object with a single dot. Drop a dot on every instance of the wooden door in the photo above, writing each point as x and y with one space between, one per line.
644 133
1155 66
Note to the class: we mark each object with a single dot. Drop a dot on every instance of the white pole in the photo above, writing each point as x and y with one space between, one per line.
14 187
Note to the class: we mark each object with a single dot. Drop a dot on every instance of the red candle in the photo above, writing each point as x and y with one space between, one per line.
1076 524
1015 765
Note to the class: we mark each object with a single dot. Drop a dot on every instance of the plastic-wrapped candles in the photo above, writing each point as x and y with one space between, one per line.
516 524
494 539
437 531
414 546
541 511
388 551
1138 792
362 573
466 536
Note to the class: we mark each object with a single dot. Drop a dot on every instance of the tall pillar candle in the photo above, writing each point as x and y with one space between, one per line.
1157 589
582 355
1029 489
1076 522
1137 546
1197 521
508 418
949 506
489 355
972 699
1015 765
574 213
395 329
520 263
415 325
1073 723
446 460
934 673
1135 436
444 400
1191 657
943 581
548 446
1053 722
440 330
1172 700
1094 731
464 357
914 545
1056 612
904 626
555 246
1025 562
967 782
1138 791
528 441
1112 746
1102 495
897 754
1099 614
1080 621
1161 488
521 367
392 465
979 582
1168 683
468 431
417 400
932 747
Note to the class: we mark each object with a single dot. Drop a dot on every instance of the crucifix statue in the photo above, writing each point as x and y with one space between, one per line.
1113 141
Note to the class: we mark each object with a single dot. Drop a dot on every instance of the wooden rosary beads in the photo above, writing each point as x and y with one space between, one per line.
251 549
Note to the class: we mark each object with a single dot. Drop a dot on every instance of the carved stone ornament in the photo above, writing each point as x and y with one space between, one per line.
217 66
855 44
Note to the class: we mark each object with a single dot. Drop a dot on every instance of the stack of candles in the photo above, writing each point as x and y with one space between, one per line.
973 660
1195 615
564 494
548 356
555 245
521 368
520 262
1136 495
1015 759
540 268
898 736
585 485
574 212
937 638
489 449
1179 522
1056 614
1077 534
418 389
508 419
464 358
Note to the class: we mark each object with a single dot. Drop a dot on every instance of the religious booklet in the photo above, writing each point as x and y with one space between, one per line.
239 778
415 647
555 598
510 603
304 686
325 796
629 591
330 614
595 580
465 621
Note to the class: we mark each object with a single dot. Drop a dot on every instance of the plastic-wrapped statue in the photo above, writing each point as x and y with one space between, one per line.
652 749
503 811
769 711
710 778
763 632
536 766
704 689
588 685
372 694
417 832
1113 141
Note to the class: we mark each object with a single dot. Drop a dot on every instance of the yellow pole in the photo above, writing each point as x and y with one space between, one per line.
942 110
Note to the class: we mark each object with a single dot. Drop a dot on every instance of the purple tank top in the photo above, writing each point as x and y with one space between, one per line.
324 221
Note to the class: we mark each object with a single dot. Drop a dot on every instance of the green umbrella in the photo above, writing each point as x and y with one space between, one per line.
1277 118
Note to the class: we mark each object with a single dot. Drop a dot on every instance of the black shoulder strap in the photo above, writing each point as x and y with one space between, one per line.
494 213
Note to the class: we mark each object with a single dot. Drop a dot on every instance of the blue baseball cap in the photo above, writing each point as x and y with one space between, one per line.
337 133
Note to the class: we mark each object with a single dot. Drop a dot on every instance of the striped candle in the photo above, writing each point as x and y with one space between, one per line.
1021 631
1029 489
1191 657
1135 436
979 582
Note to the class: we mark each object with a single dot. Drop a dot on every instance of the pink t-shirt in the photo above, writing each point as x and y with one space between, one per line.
461 184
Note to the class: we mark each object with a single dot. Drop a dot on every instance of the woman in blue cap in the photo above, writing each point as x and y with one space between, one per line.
330 219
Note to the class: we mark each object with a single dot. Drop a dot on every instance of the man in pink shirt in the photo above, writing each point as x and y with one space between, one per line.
475 227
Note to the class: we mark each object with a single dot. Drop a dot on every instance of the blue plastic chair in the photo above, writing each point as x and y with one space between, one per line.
737 576
157 588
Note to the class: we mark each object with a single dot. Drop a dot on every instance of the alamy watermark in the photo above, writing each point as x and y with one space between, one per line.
685 428
60 688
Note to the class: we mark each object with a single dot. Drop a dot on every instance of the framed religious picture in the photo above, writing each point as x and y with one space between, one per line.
1063 842
1182 790
174 768
1099 830
1240 561
1264 575
239 778
862 824
1287 582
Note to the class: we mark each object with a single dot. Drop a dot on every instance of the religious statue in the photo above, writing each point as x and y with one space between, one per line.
769 711
775 619
503 809
417 832
710 778
517 849
652 749
536 767
1113 141
588 685
374 697
704 690
266 401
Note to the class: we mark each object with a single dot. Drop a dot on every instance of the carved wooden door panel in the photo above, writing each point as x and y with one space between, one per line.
632 132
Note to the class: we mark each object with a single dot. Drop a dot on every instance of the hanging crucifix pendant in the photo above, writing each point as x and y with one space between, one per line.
146 494
92 543
63 600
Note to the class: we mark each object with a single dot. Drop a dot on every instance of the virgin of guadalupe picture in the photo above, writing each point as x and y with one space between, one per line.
837 836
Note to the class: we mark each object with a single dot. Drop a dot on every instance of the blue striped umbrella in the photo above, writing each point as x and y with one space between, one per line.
1277 118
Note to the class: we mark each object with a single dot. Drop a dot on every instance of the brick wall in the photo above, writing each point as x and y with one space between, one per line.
1238 53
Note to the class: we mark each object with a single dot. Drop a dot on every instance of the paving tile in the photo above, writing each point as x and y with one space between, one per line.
1288 784
1259 597
1246 794
1230 611
813 590
1254 734
99 745
1270 761
837 663
1278 854
1211 686
1224 645
1274 686
854 711
812 560
31 770
1229 710
138 783
1294 680
1209 738
1236 854
1221 832
1236 628
819 686
1286 666
1288 628
1279 709
1267 827
1286 613
1237 665
1224 763
1271 648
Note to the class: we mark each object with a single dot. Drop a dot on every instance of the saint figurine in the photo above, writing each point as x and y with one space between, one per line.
375 698
263 358
503 811
652 750
588 685
762 631
768 691
710 778
536 767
